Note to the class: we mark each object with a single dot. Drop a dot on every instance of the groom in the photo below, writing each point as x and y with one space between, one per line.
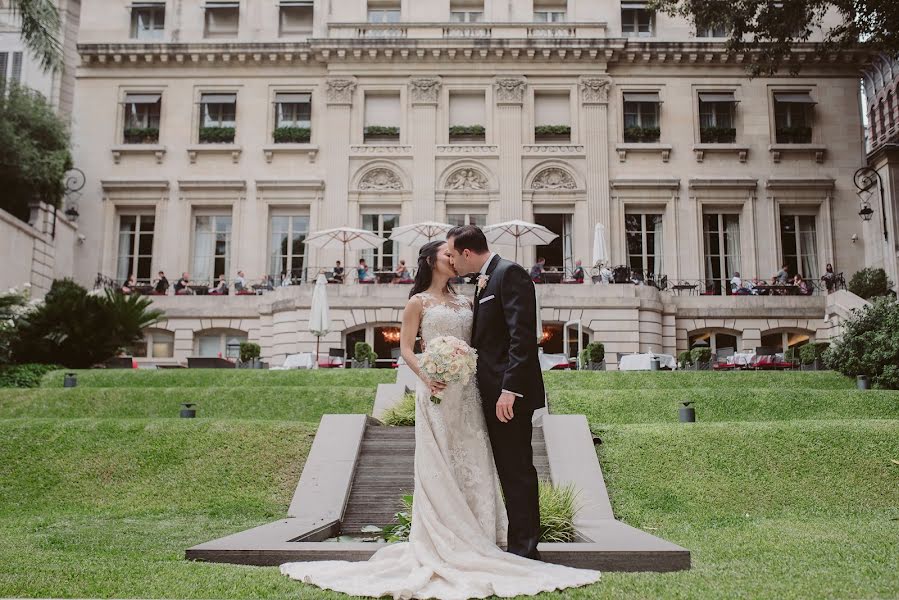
509 376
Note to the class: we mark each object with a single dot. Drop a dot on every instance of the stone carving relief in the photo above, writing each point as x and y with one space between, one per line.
340 91
595 89
467 179
553 178
379 180
509 90
425 90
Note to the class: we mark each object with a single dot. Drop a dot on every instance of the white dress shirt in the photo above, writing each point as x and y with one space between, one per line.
484 272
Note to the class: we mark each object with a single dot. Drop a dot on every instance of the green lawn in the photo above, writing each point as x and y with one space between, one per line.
784 488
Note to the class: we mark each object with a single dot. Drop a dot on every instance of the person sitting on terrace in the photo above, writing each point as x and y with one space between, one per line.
578 274
240 282
363 274
637 277
401 274
285 279
337 273
221 288
129 285
161 287
537 270
803 285
181 286
782 277
737 286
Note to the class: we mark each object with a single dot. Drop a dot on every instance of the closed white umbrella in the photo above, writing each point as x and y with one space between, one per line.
319 316
539 319
348 237
520 233
600 255
419 234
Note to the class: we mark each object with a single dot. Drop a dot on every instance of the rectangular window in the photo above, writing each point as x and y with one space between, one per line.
13 74
644 235
716 117
467 218
799 243
793 117
559 252
218 118
712 31
467 117
293 117
295 17
721 234
380 11
135 254
147 21
552 117
212 247
641 117
287 252
382 118
222 19
161 344
142 118
636 19
383 258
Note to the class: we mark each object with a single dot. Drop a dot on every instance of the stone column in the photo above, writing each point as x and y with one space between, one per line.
595 100
425 93
509 92
339 92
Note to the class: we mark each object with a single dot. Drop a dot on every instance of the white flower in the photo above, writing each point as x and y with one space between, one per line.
482 281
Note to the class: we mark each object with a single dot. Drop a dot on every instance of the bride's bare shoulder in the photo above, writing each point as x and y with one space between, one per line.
416 302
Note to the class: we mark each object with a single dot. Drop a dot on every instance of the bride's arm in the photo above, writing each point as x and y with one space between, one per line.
408 332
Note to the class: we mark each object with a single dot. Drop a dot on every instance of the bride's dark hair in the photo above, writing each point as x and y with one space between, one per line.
427 260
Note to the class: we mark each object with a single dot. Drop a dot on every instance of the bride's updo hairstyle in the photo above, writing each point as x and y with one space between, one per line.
427 259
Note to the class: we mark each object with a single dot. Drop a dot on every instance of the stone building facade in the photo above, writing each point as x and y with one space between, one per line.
216 135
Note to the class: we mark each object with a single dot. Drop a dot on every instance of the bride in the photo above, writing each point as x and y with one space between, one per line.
459 519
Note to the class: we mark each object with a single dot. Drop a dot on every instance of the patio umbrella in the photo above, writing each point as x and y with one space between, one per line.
348 237
520 233
600 255
419 234
539 319
319 316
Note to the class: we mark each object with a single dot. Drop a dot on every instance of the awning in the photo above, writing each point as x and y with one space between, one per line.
142 98
221 4
717 97
295 2
641 97
634 4
287 98
218 99
794 97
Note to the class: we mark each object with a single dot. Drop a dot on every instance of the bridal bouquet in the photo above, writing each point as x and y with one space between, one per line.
449 360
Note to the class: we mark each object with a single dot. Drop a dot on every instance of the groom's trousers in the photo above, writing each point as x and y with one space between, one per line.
514 459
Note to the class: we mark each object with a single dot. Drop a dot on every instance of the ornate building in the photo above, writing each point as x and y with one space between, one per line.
217 135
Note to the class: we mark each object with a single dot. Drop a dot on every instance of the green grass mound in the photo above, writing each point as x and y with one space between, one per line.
169 378
674 380
724 404
279 403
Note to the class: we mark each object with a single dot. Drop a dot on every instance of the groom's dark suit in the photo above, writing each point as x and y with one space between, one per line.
505 336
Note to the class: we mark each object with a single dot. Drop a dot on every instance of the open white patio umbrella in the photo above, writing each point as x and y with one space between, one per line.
419 234
520 233
600 255
319 316
348 237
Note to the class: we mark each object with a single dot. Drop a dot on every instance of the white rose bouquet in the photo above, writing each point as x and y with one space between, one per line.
448 359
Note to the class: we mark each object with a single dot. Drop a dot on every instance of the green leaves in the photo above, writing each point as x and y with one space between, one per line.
870 283
402 413
292 135
467 130
869 344
217 135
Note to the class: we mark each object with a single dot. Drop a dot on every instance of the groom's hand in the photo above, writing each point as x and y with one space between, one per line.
504 407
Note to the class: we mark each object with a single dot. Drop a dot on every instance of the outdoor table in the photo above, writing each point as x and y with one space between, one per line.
385 276
642 362
778 289
552 276
741 359
552 361
691 287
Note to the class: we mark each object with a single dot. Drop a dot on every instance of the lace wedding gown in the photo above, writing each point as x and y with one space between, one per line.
458 513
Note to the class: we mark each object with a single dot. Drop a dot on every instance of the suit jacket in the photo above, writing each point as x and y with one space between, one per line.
505 335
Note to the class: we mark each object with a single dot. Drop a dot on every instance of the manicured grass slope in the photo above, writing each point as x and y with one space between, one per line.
784 488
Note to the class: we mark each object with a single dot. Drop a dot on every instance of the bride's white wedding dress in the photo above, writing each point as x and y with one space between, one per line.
458 512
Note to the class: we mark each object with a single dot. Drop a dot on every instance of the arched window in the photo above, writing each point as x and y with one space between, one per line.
781 340
891 118
157 343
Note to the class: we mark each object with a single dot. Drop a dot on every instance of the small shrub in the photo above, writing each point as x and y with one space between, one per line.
217 135
595 352
794 135
810 352
402 414
717 135
701 356
685 359
870 283
869 344
552 130
141 135
400 530
379 130
557 511
24 376
363 353
249 351
472 130
292 135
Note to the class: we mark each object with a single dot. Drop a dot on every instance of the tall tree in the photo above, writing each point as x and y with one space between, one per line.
40 29
771 28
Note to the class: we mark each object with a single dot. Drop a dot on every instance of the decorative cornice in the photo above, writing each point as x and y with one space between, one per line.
509 90
636 183
748 183
211 184
292 184
134 184
339 90
425 90
595 90
553 149
792 183
467 149
380 150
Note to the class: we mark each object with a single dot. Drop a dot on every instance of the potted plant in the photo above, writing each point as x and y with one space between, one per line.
217 135
249 355
363 356
702 358
552 133
380 133
593 357
794 135
141 135
717 135
292 135
642 134
685 359
467 133
811 356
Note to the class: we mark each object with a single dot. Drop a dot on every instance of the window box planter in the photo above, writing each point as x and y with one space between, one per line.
141 135
467 133
642 135
216 135
377 133
552 134
794 135
292 135
718 135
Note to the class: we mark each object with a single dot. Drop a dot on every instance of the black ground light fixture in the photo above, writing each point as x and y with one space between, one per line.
188 412
863 382
70 380
687 413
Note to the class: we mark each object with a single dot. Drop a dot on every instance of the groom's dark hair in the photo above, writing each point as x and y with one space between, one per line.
468 237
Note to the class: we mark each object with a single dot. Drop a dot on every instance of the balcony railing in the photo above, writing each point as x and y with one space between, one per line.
467 30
